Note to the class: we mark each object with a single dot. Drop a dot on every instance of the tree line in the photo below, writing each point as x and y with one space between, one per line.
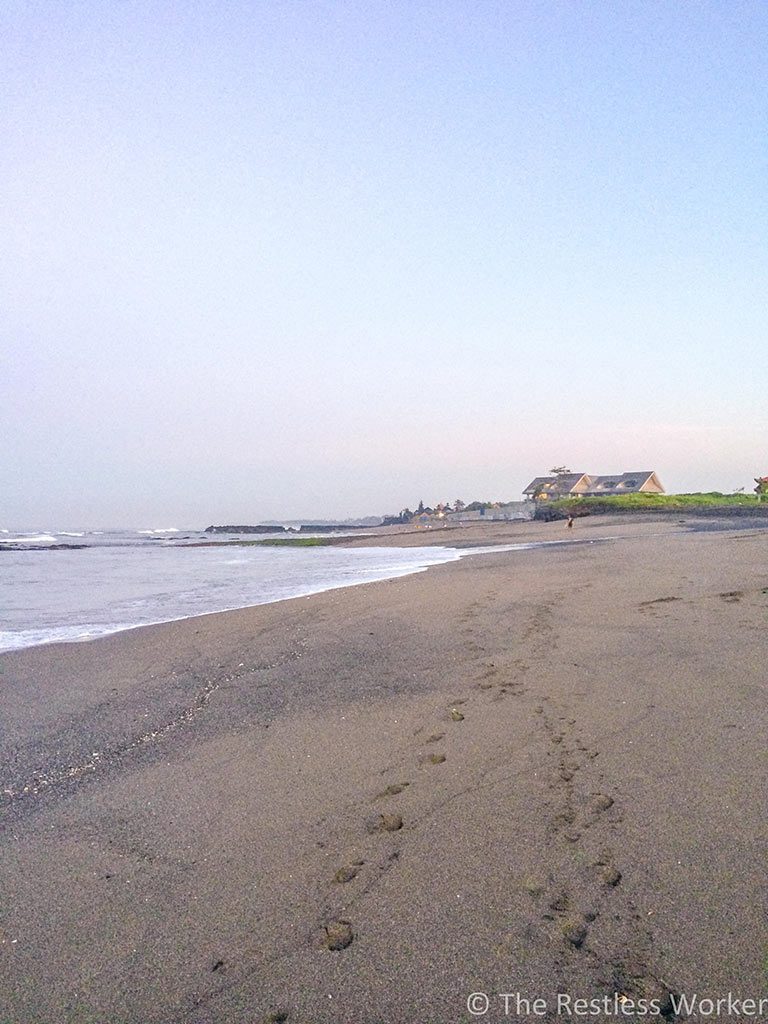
407 514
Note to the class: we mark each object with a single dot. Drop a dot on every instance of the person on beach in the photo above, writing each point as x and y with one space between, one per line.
570 522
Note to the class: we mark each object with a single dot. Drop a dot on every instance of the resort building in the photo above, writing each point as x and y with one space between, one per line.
582 485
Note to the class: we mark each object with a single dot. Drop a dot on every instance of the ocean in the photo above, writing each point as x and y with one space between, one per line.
120 579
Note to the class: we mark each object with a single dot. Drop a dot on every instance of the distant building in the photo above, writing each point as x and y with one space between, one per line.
428 519
502 511
582 485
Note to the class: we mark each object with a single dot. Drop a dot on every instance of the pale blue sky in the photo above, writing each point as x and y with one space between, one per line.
264 259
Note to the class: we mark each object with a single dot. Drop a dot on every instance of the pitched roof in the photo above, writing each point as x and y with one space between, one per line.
561 484
537 483
581 483
622 483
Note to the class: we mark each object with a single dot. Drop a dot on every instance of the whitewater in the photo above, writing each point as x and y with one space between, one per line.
112 581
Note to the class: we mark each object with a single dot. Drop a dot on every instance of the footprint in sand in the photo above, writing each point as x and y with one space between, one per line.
574 930
432 759
338 935
601 802
535 885
383 823
658 600
606 870
275 1017
348 872
435 737
394 790
610 875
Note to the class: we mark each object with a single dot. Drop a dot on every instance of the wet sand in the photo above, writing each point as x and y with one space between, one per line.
539 771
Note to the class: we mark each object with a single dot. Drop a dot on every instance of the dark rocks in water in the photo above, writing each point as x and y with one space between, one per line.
43 547
279 528
384 823
244 529
338 935
330 527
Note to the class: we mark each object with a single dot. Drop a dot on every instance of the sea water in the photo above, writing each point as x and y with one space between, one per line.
120 580
116 580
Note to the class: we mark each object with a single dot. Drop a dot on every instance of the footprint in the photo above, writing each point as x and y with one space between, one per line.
432 759
534 884
601 802
560 902
610 875
383 823
435 737
394 790
338 935
575 931
565 817
732 596
347 872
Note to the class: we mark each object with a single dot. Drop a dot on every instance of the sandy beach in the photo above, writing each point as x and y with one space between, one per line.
537 772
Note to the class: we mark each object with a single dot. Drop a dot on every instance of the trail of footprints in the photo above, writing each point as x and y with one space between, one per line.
580 824
337 933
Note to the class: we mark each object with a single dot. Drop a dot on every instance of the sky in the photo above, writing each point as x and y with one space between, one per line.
325 259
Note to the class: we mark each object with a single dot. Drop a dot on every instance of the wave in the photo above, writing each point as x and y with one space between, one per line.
29 538
287 574
17 640
170 529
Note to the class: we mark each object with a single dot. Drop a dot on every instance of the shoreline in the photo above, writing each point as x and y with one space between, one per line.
558 743
460 548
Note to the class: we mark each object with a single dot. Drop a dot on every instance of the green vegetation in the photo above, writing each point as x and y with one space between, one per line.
298 542
670 502
276 542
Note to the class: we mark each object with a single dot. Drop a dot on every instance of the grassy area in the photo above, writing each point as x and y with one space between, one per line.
275 542
298 542
672 502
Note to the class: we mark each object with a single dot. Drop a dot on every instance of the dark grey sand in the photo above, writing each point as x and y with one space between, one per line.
277 811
